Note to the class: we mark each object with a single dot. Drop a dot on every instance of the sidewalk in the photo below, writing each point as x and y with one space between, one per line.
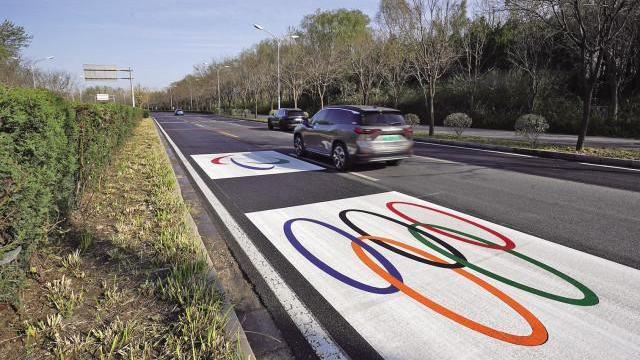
557 139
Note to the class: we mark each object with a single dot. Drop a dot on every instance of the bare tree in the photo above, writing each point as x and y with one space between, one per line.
394 69
431 26
591 29
366 55
474 35
293 73
619 63
530 52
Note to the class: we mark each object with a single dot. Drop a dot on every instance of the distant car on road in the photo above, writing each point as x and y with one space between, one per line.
286 118
355 134
178 112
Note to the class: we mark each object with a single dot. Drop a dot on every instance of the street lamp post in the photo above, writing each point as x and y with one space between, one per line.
278 39
33 74
218 77
218 80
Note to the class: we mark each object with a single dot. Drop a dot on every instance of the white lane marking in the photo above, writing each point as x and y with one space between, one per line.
436 159
468 148
363 176
319 339
226 133
612 167
173 122
199 125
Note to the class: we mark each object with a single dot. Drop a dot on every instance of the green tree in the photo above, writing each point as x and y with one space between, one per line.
12 39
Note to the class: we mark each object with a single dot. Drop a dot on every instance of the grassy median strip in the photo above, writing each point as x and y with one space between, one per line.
588 150
126 279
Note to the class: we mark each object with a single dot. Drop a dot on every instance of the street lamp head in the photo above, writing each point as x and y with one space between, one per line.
258 27
50 57
227 66
294 36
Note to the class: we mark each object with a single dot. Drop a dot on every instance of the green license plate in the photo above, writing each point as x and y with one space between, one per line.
390 137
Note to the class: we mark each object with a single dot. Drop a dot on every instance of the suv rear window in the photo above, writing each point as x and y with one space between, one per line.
295 113
382 119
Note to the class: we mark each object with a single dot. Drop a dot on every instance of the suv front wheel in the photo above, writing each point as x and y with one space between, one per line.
340 157
298 143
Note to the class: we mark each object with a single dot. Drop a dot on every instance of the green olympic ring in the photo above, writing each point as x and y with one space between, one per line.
589 299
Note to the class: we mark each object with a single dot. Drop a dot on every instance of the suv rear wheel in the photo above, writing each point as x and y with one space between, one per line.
299 145
340 157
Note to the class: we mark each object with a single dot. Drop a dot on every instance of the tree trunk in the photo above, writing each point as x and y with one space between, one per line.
614 85
321 95
534 94
586 113
613 103
432 116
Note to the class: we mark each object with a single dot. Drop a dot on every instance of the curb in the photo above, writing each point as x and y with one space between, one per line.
590 159
233 327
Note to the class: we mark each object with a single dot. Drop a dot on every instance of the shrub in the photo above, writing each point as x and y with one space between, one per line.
48 151
531 126
412 119
459 122
146 113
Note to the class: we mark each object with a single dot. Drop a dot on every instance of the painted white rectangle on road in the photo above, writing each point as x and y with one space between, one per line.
241 164
517 296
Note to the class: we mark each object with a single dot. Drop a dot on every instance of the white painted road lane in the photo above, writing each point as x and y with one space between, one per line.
537 300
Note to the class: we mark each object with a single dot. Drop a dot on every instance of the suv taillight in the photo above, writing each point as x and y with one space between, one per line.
359 130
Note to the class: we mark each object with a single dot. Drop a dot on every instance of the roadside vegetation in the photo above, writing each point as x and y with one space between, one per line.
493 60
124 277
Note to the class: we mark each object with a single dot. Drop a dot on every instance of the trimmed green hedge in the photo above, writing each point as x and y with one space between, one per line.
49 150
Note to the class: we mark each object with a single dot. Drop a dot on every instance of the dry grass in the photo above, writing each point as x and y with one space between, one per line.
127 281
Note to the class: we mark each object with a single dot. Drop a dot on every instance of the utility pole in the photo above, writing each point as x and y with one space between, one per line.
133 97
278 39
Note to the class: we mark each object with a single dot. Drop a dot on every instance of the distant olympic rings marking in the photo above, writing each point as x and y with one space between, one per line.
279 161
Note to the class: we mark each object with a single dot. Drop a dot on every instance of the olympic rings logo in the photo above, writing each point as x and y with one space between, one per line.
279 161
423 233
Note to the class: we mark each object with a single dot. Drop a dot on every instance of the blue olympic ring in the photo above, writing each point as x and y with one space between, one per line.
337 275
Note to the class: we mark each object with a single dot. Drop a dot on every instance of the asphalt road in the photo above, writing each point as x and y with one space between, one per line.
592 209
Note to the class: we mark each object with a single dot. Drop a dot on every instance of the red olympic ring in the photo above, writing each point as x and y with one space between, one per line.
508 244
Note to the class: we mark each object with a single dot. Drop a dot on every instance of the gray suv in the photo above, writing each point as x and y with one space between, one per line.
355 134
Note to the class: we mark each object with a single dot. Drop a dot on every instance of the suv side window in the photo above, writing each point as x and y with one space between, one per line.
345 117
280 113
319 116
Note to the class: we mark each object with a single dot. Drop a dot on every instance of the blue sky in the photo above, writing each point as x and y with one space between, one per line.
162 39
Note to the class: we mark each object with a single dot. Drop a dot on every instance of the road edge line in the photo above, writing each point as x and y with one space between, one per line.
317 337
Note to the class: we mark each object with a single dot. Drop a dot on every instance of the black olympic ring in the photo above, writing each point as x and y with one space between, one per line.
456 265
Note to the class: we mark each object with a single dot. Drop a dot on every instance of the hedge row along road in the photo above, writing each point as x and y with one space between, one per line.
454 252
49 149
